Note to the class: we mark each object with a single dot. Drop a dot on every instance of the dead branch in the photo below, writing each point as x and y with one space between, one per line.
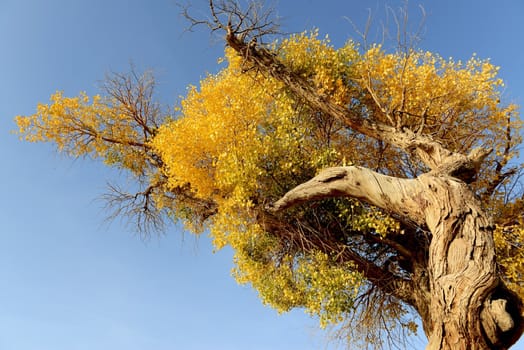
252 23
137 209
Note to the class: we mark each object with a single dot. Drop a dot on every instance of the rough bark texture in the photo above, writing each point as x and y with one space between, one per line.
461 267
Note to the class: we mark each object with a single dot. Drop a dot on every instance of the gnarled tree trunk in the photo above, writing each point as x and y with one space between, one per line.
461 300
464 312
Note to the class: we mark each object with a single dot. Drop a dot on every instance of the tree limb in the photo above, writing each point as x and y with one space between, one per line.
245 30
430 152
379 276
401 196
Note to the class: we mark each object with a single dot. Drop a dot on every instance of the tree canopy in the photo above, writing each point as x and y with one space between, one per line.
224 160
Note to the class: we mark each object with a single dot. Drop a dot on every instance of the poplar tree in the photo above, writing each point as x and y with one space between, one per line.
359 184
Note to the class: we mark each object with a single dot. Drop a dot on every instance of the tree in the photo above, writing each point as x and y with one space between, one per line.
358 184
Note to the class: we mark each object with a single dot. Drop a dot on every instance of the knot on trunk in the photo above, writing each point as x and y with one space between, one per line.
502 326
495 318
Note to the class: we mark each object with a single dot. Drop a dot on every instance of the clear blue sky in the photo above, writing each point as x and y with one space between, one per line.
70 282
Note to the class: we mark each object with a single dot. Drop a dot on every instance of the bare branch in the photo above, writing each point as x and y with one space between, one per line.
500 175
137 209
251 24
133 93
389 193
406 39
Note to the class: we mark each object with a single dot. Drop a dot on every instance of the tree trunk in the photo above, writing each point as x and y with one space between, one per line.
467 307
460 298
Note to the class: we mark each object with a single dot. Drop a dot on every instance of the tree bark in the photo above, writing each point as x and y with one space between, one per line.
462 271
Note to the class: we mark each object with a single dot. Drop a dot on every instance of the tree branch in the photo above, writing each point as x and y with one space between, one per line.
379 276
245 30
401 196
431 153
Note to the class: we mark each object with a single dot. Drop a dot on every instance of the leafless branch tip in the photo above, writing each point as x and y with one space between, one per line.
136 209
251 23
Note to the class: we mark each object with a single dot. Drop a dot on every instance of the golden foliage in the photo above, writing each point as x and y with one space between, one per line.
116 128
241 140
509 244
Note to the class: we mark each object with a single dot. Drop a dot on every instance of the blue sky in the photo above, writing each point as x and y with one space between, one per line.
69 281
